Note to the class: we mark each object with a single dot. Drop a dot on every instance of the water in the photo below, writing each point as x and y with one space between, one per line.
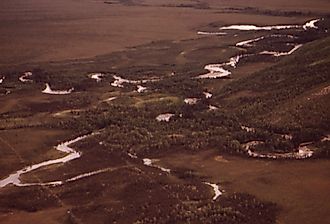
48 90
63 147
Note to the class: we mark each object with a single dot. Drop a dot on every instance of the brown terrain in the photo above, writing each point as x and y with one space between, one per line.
63 41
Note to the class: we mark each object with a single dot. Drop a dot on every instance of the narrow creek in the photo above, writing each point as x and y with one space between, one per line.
221 70
72 154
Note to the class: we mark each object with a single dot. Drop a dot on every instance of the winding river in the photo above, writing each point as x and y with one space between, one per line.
63 147
220 70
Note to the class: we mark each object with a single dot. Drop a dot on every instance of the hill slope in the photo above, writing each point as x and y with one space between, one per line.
292 96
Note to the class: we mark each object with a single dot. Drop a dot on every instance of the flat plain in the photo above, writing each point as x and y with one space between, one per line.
104 116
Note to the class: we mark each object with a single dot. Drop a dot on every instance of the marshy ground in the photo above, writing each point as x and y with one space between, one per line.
148 54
